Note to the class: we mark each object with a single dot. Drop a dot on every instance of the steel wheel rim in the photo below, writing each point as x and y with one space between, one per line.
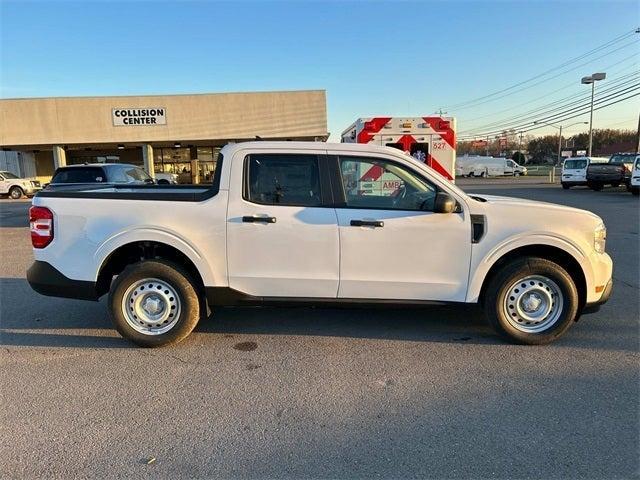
151 306
15 193
533 304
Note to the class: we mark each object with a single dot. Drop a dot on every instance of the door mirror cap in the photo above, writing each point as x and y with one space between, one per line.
444 203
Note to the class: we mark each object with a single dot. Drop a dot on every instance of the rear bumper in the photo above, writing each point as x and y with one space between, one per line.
47 280
595 306
604 178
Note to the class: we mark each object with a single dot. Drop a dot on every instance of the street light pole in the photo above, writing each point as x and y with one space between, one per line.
593 91
592 79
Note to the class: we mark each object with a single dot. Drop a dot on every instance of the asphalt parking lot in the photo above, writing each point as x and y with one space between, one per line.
390 393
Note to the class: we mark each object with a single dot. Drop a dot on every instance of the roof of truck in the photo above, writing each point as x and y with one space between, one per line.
280 145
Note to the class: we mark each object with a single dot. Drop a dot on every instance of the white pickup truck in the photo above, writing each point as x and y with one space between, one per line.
317 223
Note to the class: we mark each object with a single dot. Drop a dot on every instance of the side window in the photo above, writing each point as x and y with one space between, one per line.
135 174
382 184
282 179
117 175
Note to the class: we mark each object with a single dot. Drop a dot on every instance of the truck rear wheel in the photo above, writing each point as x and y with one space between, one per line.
154 303
566 186
596 186
531 301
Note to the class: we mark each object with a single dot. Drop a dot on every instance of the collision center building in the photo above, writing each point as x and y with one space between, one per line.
179 134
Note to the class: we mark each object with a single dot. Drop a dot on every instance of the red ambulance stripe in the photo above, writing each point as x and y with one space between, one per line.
446 133
433 163
373 174
406 141
371 127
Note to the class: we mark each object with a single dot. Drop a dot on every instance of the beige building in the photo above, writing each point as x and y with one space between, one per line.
164 133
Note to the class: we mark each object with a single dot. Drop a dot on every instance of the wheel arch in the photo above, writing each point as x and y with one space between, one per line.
128 253
554 253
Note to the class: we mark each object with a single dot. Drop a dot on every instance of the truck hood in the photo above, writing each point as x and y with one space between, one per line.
524 203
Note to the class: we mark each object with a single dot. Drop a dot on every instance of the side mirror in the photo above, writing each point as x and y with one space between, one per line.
444 203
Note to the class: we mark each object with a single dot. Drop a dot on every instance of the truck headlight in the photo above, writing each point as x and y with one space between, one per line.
600 238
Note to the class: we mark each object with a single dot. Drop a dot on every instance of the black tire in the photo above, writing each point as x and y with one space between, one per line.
596 187
172 275
163 182
566 186
15 193
635 191
499 286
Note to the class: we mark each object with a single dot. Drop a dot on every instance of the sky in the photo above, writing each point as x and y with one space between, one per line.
397 58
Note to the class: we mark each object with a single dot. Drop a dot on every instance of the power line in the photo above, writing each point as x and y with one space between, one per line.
568 62
582 113
546 79
544 109
548 114
548 94
558 117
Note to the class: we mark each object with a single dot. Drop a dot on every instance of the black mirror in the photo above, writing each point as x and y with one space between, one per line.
444 203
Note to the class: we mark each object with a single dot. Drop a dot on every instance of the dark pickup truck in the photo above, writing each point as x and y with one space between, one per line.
614 173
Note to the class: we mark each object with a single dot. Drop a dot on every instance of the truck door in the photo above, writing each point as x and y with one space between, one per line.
282 241
392 245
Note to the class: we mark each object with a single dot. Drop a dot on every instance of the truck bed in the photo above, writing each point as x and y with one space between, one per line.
175 193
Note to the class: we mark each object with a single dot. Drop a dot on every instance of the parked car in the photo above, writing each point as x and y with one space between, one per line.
16 187
574 170
634 183
73 177
166 178
323 224
616 172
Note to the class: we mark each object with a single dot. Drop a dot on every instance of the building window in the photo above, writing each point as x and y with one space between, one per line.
191 164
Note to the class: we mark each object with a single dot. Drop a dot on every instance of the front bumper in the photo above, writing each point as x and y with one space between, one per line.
593 307
47 280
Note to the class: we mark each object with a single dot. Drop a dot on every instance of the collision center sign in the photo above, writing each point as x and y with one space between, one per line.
139 116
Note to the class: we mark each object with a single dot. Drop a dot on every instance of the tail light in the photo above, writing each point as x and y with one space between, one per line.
41 226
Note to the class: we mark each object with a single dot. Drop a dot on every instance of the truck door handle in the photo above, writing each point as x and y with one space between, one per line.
255 219
367 223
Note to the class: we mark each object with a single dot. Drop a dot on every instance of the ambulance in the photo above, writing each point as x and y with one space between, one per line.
431 140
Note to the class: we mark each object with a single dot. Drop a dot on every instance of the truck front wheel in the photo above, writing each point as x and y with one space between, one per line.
531 301
154 303
15 193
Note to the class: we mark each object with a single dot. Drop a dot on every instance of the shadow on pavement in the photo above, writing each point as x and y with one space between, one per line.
29 319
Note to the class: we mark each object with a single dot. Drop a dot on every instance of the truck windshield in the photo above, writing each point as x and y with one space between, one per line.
575 164
79 175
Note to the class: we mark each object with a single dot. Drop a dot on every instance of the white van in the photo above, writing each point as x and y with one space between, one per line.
488 167
635 177
574 170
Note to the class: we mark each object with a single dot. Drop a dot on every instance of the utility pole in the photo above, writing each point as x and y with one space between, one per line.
560 146
638 136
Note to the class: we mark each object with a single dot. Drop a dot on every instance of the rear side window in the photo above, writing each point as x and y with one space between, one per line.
283 179
575 164
79 175
128 174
